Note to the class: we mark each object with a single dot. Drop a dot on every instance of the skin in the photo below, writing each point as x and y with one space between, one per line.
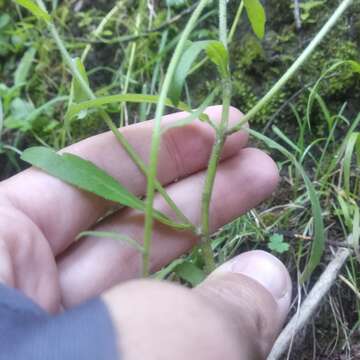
235 314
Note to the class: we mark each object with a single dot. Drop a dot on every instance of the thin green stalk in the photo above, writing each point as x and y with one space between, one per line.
133 47
100 28
236 21
119 136
216 151
149 220
295 66
223 23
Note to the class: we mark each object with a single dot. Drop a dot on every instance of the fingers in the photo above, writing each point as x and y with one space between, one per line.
26 261
94 265
256 288
235 314
61 211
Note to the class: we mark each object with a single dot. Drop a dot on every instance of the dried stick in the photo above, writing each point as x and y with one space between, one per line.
311 304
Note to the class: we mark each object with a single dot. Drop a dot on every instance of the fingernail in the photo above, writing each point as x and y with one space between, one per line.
264 268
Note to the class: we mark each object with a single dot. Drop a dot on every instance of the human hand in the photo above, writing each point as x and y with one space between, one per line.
235 313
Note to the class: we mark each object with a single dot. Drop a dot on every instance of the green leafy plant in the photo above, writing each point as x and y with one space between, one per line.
277 243
87 176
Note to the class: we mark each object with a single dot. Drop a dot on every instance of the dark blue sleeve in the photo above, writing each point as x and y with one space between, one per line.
29 333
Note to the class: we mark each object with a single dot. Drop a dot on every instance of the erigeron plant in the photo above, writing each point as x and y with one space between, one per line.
87 176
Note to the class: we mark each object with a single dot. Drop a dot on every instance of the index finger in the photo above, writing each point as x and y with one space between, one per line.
61 211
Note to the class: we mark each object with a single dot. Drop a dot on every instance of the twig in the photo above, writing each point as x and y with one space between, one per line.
311 304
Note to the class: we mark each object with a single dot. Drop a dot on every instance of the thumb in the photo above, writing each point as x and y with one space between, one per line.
234 314
254 291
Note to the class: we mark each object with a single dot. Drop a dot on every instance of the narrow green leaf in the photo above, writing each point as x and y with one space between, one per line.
77 94
318 245
257 16
116 99
219 56
112 99
34 9
355 66
190 272
345 210
112 235
24 67
349 152
184 65
355 236
216 52
82 174
87 176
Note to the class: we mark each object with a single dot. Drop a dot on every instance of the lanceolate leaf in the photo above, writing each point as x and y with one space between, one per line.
186 61
77 94
349 152
82 174
87 176
216 52
34 9
24 67
257 16
219 56
116 99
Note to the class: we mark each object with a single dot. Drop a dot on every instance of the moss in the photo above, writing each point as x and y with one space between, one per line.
258 65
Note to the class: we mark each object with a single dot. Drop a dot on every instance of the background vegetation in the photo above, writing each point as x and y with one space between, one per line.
130 54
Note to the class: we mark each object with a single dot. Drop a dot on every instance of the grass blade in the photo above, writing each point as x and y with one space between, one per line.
349 152
318 245
34 9
24 66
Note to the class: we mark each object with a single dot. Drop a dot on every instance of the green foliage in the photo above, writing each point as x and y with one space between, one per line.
215 51
23 69
257 17
277 244
77 95
35 86
82 174
34 9
307 8
190 273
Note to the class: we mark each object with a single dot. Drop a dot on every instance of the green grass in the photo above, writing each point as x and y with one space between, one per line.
126 50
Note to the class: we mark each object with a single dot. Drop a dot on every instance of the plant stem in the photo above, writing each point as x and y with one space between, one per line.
100 28
157 133
223 23
236 21
133 47
295 66
207 252
107 119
